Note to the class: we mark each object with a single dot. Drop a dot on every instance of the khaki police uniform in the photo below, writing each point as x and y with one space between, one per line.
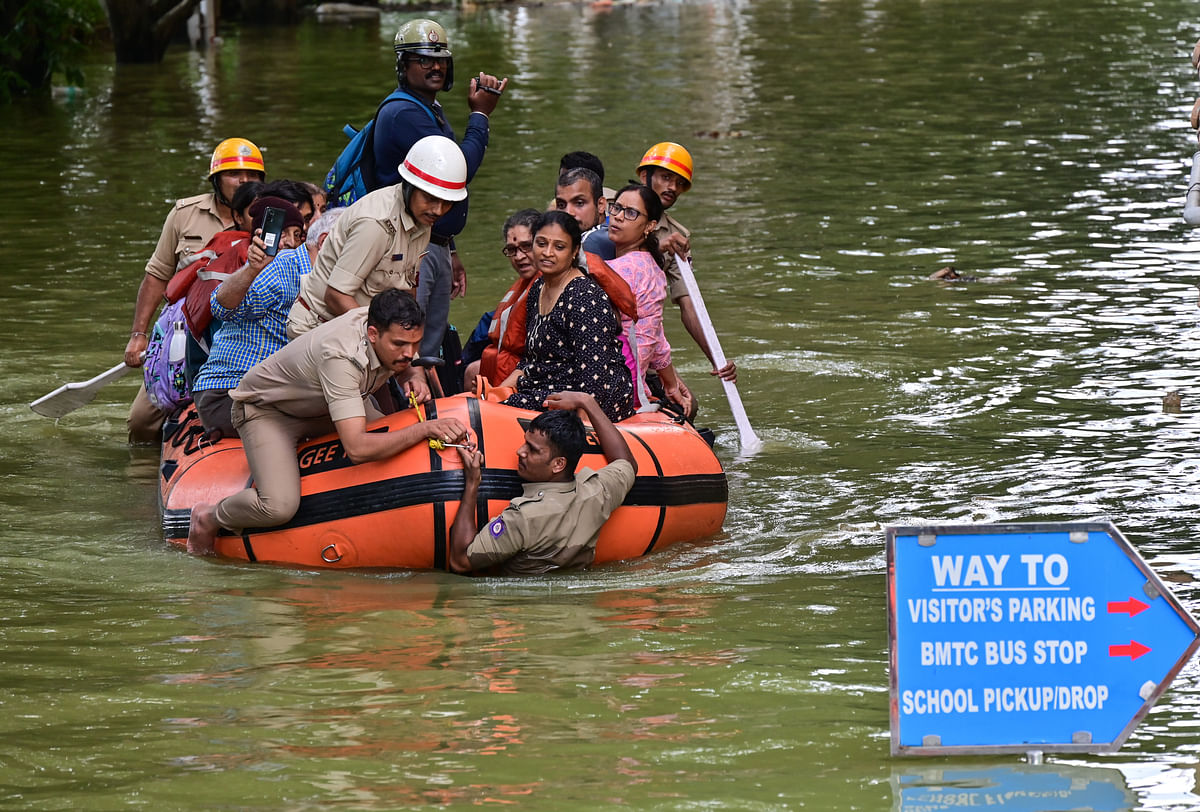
299 391
190 224
374 246
554 525
667 226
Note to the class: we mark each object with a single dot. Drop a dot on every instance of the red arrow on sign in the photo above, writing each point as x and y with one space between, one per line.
1132 651
1132 606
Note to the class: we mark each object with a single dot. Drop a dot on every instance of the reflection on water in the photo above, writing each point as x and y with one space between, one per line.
1033 788
844 151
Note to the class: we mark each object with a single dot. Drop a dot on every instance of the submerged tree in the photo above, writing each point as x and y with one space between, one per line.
142 29
39 38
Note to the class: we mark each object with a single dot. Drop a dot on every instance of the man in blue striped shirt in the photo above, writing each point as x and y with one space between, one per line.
254 309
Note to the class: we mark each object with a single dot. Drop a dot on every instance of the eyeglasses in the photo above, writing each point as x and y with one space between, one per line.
430 61
628 212
511 251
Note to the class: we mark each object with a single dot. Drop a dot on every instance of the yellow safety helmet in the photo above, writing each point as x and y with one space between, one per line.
669 155
236 153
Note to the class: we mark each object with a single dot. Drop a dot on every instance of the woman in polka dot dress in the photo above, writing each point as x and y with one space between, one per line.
572 342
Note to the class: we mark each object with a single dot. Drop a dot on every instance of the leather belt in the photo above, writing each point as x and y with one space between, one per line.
321 319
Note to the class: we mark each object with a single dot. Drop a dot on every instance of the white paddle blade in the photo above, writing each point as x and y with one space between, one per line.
71 396
749 440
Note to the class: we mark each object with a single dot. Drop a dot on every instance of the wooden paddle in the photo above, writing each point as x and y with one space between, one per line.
750 442
71 396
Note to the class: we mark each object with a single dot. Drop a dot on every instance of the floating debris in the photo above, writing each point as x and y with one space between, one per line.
66 92
949 274
347 11
721 134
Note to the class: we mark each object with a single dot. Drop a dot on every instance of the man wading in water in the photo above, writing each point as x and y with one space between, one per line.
555 523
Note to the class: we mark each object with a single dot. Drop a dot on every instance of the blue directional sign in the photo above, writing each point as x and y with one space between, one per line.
1019 637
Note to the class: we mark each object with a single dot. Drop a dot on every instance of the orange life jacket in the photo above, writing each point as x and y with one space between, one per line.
618 290
185 274
506 336
225 253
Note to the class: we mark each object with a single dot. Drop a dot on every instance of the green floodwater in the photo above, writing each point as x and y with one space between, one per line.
844 150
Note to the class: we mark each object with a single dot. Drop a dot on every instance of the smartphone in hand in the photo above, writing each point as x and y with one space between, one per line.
272 230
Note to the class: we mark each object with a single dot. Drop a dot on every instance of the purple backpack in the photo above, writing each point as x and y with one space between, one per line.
166 383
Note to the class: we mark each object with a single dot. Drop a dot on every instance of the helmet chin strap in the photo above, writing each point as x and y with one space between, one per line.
216 184
406 190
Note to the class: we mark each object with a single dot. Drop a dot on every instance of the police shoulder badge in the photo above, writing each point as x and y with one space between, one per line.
496 528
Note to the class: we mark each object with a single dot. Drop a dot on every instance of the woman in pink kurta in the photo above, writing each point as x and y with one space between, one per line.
631 224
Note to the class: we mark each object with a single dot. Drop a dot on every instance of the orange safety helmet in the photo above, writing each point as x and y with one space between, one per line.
236 153
669 155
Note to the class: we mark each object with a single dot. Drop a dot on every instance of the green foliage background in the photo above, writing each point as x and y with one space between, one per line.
42 38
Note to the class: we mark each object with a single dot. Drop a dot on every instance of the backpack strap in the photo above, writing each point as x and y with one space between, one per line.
368 153
403 95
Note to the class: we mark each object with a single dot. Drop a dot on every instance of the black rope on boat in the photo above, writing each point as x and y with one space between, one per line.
249 550
189 434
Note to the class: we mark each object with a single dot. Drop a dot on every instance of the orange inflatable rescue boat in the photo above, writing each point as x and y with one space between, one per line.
397 513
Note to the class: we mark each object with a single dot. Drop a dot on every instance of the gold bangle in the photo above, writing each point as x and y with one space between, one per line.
138 333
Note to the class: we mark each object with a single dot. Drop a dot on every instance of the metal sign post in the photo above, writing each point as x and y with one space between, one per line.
1026 638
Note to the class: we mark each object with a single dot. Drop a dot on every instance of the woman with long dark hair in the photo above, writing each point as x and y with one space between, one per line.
632 219
572 329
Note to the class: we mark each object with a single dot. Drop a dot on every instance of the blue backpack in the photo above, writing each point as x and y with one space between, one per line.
353 173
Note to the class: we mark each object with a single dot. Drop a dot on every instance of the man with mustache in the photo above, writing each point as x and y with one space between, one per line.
424 67
379 242
317 384
554 524
667 169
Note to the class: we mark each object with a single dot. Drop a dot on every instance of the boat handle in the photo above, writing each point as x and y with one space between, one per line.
325 554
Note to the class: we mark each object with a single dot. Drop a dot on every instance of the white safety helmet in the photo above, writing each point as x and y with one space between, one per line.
436 166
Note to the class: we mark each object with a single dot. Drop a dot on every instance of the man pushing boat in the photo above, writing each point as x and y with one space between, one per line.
319 383
555 523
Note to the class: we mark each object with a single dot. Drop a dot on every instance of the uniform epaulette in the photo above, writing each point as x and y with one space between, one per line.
184 202
518 501
389 227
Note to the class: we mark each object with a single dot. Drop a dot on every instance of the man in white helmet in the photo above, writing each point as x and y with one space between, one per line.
378 243
424 68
